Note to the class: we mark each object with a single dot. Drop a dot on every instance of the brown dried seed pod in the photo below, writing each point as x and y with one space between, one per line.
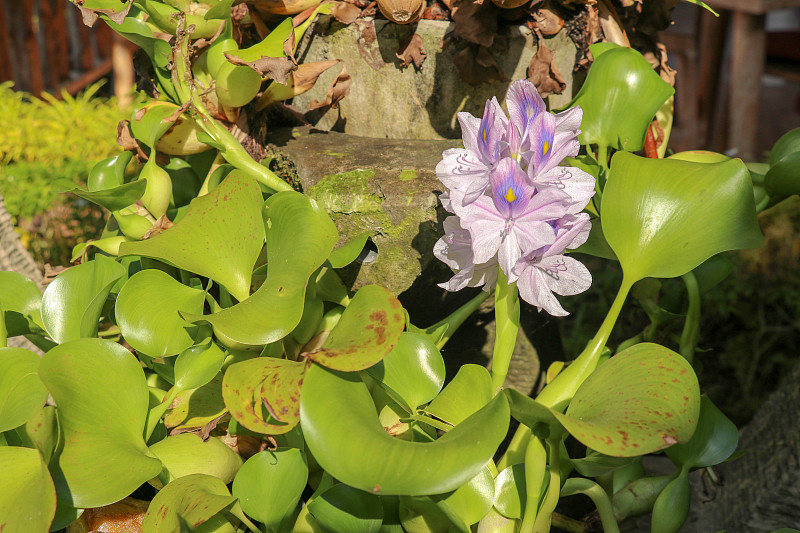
402 11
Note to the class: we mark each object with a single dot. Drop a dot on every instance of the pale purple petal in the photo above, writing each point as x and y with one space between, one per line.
571 232
541 136
490 132
570 119
524 104
460 170
510 189
487 236
565 276
469 131
455 247
533 288
579 185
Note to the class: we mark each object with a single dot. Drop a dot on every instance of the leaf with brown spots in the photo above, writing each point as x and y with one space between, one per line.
195 498
338 90
274 68
369 329
193 410
410 50
644 399
263 394
544 73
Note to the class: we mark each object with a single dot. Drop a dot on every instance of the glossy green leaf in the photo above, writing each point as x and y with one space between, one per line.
470 502
638 496
420 514
494 522
187 454
619 98
113 199
147 312
219 237
413 372
263 394
20 299
783 177
665 217
73 301
368 330
700 156
194 409
532 413
346 254
672 505
466 394
300 236
21 391
196 498
713 442
270 484
197 365
510 491
788 144
344 508
28 498
643 399
42 431
109 172
102 399
596 464
152 120
113 9
336 410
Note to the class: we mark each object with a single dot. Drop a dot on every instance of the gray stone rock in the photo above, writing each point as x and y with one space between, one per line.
415 104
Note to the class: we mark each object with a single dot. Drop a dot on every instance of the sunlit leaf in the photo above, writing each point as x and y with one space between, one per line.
196 498
510 491
102 399
346 254
147 312
467 393
344 508
263 394
619 98
21 391
270 484
198 365
471 501
28 498
113 199
369 329
300 236
20 299
73 301
336 410
413 372
219 237
193 409
42 430
187 454
665 217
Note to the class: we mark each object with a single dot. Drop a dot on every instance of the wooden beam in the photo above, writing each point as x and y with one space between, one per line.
747 65
103 69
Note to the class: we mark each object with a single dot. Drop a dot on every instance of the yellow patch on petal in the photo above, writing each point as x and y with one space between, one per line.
510 196
484 135
545 148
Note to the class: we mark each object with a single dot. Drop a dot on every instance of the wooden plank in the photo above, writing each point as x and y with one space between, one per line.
755 7
103 69
87 58
747 65
49 22
6 65
32 49
104 36
16 25
61 38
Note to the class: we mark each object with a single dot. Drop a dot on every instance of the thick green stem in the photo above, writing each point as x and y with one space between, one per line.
506 319
691 326
569 524
561 390
535 471
602 159
515 453
544 516
598 496
456 318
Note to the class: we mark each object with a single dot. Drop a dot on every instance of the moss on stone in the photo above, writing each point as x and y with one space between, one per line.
347 192
407 175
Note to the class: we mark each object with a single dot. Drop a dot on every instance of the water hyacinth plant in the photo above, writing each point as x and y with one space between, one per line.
205 356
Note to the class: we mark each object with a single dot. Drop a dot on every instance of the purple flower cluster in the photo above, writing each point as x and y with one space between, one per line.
513 206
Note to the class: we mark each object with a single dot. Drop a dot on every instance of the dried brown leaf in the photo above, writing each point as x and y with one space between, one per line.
611 25
477 66
345 12
90 16
161 225
436 11
411 50
338 90
658 59
547 21
274 68
288 47
544 73
211 426
126 140
367 42
476 21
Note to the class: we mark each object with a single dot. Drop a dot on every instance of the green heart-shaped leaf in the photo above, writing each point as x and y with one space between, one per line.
413 372
102 399
619 98
270 484
510 491
20 300
369 328
42 431
28 498
21 391
344 508
195 498
664 217
198 365
147 312
152 120
187 454
72 303
714 440
193 409
346 254
470 502
300 236
263 394
643 399
219 237
783 178
113 199
336 410
469 391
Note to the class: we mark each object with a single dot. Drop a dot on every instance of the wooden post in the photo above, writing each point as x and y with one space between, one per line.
34 58
747 65
124 76
6 64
